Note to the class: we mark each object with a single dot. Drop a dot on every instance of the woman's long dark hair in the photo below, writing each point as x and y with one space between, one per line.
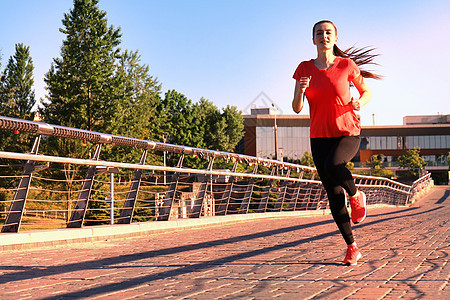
361 56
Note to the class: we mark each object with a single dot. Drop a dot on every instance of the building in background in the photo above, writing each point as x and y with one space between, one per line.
429 133
264 129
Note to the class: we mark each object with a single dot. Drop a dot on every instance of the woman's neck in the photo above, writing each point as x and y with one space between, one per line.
325 59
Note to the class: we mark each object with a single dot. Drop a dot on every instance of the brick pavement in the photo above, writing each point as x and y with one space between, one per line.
405 255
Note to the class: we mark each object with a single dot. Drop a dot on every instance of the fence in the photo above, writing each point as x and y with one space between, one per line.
46 191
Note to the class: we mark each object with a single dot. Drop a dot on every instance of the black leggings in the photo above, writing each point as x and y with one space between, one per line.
331 156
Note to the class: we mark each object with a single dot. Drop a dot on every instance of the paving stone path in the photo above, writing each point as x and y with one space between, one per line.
405 255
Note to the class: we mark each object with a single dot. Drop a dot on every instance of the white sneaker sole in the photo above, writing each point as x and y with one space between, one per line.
357 258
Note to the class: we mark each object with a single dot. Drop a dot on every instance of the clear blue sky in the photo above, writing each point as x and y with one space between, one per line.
229 51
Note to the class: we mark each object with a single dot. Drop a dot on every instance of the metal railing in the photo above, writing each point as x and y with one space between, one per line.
48 191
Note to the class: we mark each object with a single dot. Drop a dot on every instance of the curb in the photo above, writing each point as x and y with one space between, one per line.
33 239
67 236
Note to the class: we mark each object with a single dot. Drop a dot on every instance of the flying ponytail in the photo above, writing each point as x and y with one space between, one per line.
361 56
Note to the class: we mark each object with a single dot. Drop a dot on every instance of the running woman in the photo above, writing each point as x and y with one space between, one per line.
335 128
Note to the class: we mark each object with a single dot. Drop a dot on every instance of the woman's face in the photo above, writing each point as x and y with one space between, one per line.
325 36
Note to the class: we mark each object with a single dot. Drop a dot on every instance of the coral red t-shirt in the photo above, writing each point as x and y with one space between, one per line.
329 98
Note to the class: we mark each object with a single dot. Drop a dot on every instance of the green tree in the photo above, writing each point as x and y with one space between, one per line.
137 113
234 127
412 161
350 165
17 81
200 125
376 161
213 127
81 90
307 160
80 85
221 130
448 158
17 97
182 124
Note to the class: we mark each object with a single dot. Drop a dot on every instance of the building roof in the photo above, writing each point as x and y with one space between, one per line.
268 120
406 130
426 119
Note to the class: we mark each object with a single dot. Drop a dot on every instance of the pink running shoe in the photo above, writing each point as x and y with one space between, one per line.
359 208
353 254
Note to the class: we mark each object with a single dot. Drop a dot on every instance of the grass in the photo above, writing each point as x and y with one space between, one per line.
36 223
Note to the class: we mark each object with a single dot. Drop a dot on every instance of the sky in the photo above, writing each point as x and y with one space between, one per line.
244 52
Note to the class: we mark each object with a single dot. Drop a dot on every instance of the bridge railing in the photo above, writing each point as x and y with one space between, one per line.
43 191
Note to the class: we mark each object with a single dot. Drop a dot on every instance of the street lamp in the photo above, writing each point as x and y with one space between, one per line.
111 171
165 137
275 129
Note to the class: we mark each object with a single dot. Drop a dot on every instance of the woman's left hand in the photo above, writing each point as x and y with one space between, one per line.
355 104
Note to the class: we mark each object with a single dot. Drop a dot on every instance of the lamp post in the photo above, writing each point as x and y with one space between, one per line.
165 136
111 171
275 130
111 192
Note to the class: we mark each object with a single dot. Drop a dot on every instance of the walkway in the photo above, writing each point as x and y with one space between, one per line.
405 254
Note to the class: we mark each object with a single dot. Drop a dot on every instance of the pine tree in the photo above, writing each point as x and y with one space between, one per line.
18 96
80 85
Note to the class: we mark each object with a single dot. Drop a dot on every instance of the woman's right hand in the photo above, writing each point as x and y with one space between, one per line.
304 83
300 87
